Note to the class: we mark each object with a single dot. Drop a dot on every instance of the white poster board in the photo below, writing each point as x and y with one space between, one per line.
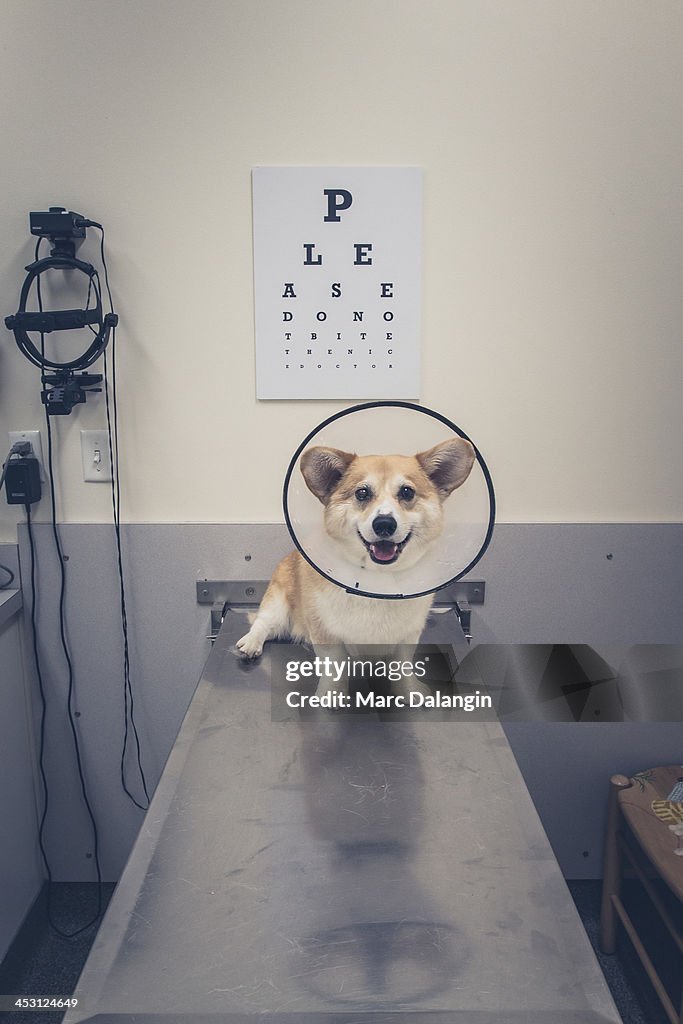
338 282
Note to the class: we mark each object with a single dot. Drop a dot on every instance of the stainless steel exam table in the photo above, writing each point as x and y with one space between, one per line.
338 869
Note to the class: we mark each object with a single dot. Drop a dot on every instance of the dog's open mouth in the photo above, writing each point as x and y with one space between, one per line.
384 552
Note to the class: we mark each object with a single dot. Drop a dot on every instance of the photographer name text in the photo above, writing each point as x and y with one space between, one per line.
384 701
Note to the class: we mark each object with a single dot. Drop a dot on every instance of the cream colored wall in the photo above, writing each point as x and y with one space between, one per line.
550 137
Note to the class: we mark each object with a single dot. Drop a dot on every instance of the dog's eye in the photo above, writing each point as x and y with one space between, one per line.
406 493
363 494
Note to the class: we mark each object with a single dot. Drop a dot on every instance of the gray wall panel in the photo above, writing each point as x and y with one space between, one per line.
545 584
556 584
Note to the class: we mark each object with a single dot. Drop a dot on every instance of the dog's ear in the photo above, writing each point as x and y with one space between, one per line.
322 470
448 464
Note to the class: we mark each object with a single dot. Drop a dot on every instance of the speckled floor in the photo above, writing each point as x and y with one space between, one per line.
628 982
42 963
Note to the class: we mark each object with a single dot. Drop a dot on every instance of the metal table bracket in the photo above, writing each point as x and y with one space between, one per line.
225 594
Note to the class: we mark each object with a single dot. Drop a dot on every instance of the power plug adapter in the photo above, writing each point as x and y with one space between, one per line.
22 480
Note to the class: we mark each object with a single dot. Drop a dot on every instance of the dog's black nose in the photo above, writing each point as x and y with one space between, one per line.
384 526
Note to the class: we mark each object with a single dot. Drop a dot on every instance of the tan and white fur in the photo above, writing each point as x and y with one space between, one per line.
382 511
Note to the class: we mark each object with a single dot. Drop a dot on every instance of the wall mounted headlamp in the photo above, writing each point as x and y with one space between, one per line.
67 385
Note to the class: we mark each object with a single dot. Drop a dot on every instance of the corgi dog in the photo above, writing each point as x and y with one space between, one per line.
382 512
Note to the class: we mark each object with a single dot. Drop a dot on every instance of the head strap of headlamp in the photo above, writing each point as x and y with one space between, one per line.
47 321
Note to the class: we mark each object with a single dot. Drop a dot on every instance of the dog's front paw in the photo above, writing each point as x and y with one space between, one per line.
249 645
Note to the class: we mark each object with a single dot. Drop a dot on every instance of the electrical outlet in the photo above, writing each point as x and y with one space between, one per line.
95 455
33 437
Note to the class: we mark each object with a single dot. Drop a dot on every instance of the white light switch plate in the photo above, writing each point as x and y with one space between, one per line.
95 455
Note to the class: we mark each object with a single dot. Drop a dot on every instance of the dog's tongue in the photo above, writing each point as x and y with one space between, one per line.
383 550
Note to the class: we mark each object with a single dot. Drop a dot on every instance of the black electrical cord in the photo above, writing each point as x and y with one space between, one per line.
128 699
67 657
41 759
69 664
43 699
113 439
8 583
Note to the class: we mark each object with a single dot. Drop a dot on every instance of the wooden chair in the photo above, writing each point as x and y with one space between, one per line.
640 836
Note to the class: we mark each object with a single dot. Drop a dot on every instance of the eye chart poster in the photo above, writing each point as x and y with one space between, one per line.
338 282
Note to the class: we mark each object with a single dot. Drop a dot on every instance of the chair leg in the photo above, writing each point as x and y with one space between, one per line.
611 878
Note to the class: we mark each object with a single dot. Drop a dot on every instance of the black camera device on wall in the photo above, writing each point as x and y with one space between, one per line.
64 228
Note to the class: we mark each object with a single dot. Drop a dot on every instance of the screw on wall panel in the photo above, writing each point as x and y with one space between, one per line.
586 853
205 593
250 591
88 856
77 714
609 557
247 558
65 558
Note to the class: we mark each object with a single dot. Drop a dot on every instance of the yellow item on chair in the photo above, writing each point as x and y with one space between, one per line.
669 811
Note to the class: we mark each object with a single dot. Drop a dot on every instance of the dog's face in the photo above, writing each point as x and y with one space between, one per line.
386 509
